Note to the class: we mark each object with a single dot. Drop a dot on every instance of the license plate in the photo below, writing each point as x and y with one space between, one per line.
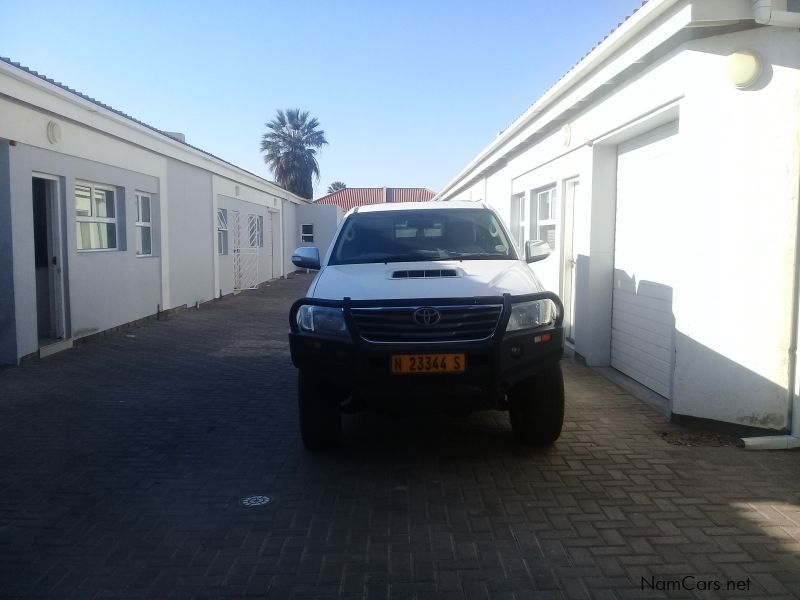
428 363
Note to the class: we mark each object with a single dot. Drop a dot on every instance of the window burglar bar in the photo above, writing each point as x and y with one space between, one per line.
222 231
245 258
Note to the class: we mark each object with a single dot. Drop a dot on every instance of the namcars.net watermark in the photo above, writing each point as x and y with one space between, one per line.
691 583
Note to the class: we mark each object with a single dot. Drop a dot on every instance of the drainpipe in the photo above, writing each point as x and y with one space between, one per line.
773 12
787 442
792 440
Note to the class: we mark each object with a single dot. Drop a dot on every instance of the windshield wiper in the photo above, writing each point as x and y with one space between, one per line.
402 258
469 255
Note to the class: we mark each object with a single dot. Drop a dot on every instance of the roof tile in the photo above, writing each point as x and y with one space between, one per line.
348 198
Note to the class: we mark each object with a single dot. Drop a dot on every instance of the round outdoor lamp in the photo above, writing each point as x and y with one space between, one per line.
743 68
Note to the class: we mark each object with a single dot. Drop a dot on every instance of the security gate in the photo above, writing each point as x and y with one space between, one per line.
245 257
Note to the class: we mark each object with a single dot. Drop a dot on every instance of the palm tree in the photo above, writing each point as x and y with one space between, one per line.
290 149
336 186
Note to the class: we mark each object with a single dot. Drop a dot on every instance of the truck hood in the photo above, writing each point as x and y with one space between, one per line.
377 281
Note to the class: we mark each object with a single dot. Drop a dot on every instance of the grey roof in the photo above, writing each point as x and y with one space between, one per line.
572 68
124 115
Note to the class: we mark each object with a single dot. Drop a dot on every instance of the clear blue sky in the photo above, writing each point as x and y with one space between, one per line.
407 92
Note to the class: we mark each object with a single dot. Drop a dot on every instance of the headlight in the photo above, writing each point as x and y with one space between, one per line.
321 319
528 315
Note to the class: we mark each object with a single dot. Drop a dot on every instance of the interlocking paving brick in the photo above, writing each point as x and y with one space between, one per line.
124 460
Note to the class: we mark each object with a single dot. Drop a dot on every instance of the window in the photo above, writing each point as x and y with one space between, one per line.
546 216
222 231
144 225
421 235
255 226
95 217
307 233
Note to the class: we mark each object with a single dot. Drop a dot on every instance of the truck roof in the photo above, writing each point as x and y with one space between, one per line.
392 206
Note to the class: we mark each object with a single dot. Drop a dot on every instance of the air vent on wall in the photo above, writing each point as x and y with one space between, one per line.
421 274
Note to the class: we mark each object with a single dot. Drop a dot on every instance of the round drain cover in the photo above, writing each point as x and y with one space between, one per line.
250 501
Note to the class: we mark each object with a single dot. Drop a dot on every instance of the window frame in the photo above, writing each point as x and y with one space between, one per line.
222 231
94 219
140 224
305 235
520 223
552 214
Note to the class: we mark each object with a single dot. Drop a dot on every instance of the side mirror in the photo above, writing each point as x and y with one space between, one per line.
306 257
536 250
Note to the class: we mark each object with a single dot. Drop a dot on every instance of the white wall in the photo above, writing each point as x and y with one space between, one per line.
265 258
290 227
325 218
734 217
474 193
733 310
191 238
8 329
234 196
107 289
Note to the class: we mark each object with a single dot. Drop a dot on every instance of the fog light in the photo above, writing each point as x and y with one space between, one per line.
516 351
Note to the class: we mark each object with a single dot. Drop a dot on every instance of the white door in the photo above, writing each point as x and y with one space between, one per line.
236 232
642 322
275 241
265 247
245 252
570 258
269 244
49 258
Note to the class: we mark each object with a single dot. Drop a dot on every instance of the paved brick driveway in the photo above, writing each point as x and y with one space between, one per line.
123 462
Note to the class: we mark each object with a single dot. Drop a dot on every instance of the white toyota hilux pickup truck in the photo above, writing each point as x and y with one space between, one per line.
427 307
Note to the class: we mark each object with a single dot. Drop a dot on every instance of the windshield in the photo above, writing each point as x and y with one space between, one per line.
419 235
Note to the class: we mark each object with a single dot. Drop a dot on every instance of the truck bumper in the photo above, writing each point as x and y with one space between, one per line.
364 370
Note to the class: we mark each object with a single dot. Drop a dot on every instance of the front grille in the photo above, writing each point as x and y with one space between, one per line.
457 324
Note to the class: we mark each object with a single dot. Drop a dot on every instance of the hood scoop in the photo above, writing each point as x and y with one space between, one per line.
424 273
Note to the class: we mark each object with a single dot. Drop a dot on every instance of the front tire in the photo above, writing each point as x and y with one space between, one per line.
320 413
536 407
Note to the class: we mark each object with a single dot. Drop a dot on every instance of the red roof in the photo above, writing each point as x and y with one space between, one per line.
348 198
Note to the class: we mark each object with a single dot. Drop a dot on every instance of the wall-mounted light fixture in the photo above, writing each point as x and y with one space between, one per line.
53 132
566 134
743 68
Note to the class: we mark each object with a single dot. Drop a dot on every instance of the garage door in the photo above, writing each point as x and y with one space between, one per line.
642 322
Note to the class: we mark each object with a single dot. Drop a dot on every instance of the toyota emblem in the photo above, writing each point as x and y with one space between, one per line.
426 316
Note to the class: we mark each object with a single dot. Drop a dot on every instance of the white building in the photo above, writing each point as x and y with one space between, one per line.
664 169
105 220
